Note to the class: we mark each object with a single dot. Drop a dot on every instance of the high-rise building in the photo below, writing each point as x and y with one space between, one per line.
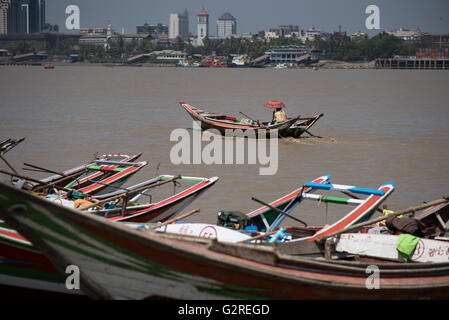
4 6
15 17
25 15
36 16
226 25
178 25
203 26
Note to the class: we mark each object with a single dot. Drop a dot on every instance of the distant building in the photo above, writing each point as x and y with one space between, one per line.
359 35
406 35
203 26
289 31
4 6
271 35
226 25
155 31
289 54
101 36
22 16
312 34
51 27
178 25
15 17
440 40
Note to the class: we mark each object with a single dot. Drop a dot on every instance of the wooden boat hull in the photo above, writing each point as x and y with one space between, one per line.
118 262
223 125
31 274
86 178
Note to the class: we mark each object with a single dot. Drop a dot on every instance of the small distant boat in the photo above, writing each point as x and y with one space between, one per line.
281 66
49 65
210 62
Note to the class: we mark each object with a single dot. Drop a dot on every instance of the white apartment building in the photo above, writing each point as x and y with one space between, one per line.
178 25
226 25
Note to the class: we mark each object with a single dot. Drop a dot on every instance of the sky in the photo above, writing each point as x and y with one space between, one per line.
254 15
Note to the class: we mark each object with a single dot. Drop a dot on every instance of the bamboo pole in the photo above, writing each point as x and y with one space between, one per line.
183 216
59 180
32 180
279 211
398 213
131 192
7 163
260 236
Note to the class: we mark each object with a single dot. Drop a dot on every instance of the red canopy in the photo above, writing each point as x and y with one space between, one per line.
274 104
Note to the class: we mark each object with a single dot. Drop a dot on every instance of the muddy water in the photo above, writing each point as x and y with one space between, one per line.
378 126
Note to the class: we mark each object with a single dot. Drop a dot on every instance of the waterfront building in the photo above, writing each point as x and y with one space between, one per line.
288 54
406 35
101 36
226 25
178 25
203 26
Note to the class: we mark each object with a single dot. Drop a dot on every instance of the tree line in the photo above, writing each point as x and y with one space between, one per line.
343 48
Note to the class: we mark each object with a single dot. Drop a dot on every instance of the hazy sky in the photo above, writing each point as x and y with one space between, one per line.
253 15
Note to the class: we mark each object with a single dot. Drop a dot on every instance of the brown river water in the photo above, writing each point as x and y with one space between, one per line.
379 126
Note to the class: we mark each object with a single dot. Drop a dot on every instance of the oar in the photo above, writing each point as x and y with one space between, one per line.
398 213
260 124
188 214
278 210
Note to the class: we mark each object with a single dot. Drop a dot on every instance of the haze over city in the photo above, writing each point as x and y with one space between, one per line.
253 16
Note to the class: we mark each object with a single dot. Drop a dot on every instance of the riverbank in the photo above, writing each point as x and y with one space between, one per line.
334 64
322 64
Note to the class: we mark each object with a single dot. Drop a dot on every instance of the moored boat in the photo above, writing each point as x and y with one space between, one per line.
119 262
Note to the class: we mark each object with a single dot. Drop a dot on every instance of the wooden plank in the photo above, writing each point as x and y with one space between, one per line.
298 248
384 246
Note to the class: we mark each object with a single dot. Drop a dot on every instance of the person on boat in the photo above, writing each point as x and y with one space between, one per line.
279 115
386 213
85 202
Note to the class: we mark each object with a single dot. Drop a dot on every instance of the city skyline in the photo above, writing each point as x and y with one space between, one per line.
324 15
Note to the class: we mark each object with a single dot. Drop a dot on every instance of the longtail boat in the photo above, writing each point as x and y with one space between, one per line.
119 262
294 127
104 167
146 212
26 272
269 219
